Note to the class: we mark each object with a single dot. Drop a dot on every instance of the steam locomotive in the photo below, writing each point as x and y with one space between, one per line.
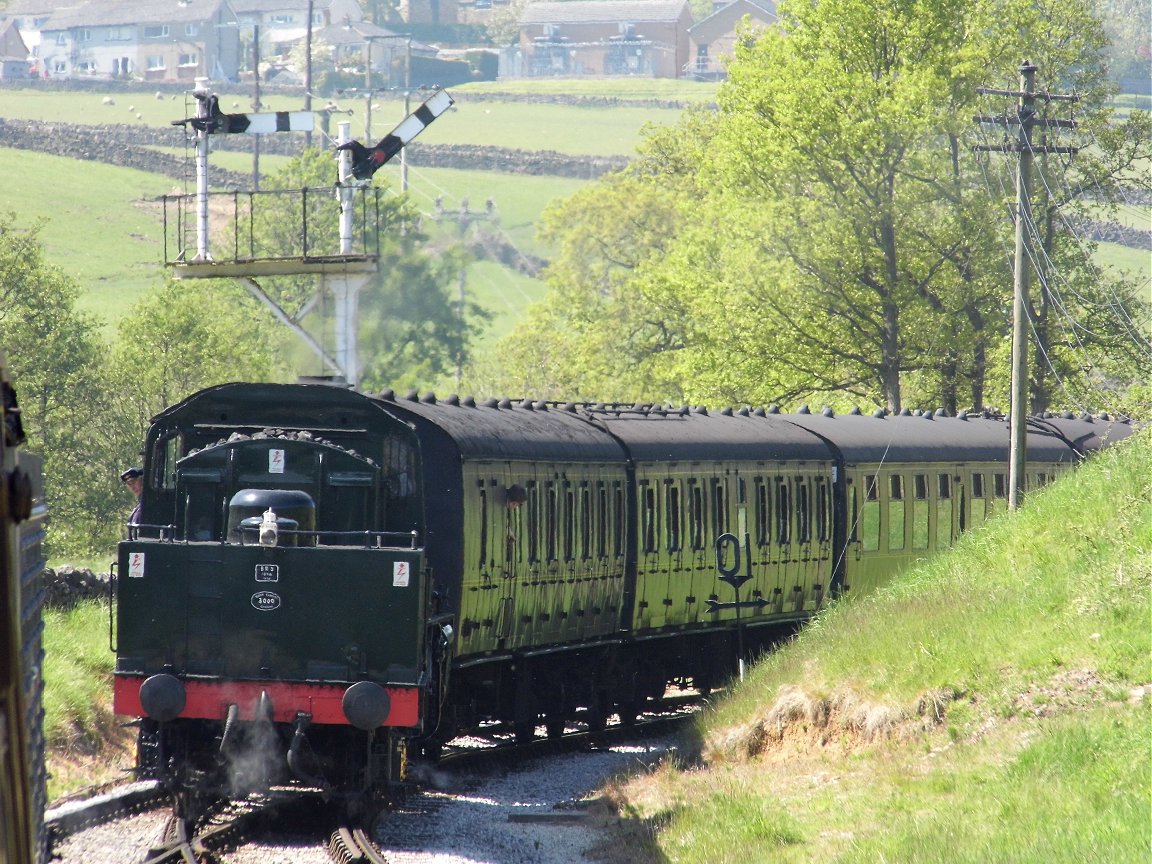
321 584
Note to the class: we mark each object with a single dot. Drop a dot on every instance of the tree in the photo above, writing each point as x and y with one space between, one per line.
841 240
56 360
410 327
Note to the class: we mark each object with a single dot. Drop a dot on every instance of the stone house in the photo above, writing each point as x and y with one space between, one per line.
284 23
714 38
150 40
15 62
602 37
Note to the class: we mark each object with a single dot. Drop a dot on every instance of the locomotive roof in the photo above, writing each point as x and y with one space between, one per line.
507 430
928 437
242 405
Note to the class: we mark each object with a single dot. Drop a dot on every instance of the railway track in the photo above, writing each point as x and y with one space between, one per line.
230 832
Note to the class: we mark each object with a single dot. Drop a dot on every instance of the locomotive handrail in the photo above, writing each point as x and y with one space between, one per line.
372 539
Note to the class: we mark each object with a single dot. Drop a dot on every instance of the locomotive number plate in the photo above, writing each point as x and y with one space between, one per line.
267 572
265 601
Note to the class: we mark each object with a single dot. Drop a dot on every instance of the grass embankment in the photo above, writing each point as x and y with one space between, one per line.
992 705
86 743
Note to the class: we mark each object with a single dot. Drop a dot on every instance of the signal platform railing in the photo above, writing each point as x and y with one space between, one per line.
298 226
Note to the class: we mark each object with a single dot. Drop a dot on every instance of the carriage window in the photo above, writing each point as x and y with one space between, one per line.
569 522
896 487
803 513
696 513
673 517
763 523
533 522
920 506
1000 485
601 520
822 528
977 485
585 522
895 522
871 488
648 502
783 512
1041 479
550 526
920 486
741 491
870 524
944 486
483 526
943 520
618 518
719 508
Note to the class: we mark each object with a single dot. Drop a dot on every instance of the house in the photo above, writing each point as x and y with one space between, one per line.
714 38
284 23
28 16
151 40
603 37
15 61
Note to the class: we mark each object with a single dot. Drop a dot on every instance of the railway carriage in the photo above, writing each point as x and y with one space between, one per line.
322 581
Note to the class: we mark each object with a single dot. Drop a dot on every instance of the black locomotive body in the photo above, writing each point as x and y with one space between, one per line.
327 579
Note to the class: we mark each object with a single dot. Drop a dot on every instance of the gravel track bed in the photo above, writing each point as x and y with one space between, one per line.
534 813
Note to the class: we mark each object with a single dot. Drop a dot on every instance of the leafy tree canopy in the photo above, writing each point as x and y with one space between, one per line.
829 233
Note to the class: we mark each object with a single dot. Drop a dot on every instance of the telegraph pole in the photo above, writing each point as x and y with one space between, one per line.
464 218
1026 118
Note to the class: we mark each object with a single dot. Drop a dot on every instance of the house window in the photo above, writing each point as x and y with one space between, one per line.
702 58
191 29
85 35
37 23
119 34
189 59
283 19
60 67
61 38
87 67
155 62
156 31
